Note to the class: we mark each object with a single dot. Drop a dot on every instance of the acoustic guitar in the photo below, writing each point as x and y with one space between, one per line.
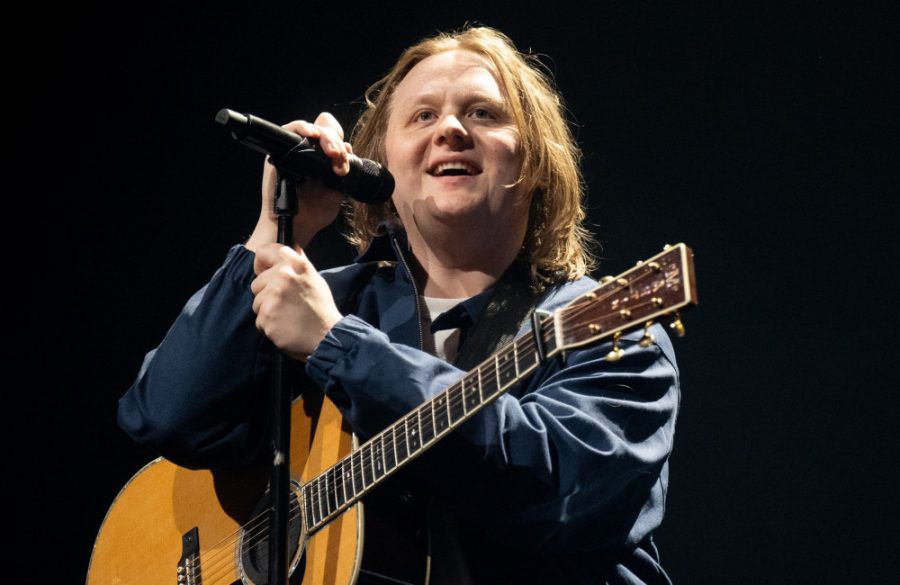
171 525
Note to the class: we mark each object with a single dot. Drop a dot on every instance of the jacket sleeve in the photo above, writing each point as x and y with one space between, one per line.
197 398
572 459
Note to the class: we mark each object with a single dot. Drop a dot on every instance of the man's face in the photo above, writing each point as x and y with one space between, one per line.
453 147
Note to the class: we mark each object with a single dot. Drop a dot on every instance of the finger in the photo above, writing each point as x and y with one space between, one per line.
258 284
257 301
267 256
268 184
328 121
336 149
332 142
304 128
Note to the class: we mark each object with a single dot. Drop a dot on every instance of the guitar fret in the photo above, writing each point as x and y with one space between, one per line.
323 506
442 413
323 497
434 428
346 494
346 478
505 374
353 474
497 371
426 422
400 440
377 460
489 386
390 460
480 386
516 357
313 496
307 507
367 465
471 397
330 496
338 479
528 358
358 471
412 434
549 341
456 410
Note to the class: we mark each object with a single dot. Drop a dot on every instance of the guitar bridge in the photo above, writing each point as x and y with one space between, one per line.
188 569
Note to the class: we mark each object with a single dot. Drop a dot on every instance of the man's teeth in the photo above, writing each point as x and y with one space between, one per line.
453 168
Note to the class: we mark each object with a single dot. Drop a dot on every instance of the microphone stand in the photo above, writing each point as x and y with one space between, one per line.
294 159
280 482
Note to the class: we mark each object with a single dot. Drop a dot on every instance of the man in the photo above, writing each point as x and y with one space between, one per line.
568 470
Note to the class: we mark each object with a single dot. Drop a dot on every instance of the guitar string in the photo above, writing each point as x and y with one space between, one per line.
250 528
366 454
399 436
212 562
414 417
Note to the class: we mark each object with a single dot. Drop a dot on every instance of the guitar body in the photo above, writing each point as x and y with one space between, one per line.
141 538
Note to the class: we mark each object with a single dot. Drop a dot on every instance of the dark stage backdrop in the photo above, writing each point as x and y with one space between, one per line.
759 135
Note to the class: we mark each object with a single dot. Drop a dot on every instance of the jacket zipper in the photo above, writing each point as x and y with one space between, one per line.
412 282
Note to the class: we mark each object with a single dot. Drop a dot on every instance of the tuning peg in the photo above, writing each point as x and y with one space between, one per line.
616 353
607 279
677 326
648 339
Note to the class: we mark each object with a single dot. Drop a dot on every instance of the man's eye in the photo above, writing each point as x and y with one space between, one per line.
482 113
425 116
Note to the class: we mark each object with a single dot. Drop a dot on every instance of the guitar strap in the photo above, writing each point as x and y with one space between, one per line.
510 305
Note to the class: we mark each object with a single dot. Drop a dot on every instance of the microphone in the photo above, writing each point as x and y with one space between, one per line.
367 181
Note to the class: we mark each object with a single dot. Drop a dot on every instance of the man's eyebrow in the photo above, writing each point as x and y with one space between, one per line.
474 96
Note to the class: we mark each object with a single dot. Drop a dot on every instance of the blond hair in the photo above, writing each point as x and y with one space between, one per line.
556 242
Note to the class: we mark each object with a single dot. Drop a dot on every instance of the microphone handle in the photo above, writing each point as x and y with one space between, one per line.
367 180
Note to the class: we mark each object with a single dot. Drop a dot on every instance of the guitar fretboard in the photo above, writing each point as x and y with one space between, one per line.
653 289
343 484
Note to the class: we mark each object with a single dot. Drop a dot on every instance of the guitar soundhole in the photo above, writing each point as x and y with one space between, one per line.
254 548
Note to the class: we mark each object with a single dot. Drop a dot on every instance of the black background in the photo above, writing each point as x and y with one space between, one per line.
760 135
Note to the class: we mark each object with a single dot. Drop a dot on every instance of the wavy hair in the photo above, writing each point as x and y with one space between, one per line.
556 245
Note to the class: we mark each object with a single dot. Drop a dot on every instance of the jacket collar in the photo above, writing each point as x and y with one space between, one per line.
381 247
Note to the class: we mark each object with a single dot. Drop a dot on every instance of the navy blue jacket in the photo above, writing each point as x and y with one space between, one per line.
570 465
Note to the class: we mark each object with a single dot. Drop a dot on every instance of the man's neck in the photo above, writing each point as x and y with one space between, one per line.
463 267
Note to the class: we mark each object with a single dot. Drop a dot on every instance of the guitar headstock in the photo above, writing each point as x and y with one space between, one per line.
656 288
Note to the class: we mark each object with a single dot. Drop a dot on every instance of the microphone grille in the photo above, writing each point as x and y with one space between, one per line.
374 184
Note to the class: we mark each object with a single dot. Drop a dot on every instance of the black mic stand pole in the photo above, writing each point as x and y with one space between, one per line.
280 483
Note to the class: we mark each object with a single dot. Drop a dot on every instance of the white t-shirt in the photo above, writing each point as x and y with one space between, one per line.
446 341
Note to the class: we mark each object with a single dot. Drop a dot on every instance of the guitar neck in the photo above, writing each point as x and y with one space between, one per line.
342 485
655 288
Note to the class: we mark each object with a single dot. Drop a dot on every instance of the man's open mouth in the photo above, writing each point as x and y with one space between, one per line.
454 169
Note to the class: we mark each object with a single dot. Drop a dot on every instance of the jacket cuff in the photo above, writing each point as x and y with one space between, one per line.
339 343
238 266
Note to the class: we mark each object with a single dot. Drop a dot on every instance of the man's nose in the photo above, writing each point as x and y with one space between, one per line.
452 131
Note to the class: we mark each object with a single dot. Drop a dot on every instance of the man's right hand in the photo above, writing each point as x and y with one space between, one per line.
319 205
